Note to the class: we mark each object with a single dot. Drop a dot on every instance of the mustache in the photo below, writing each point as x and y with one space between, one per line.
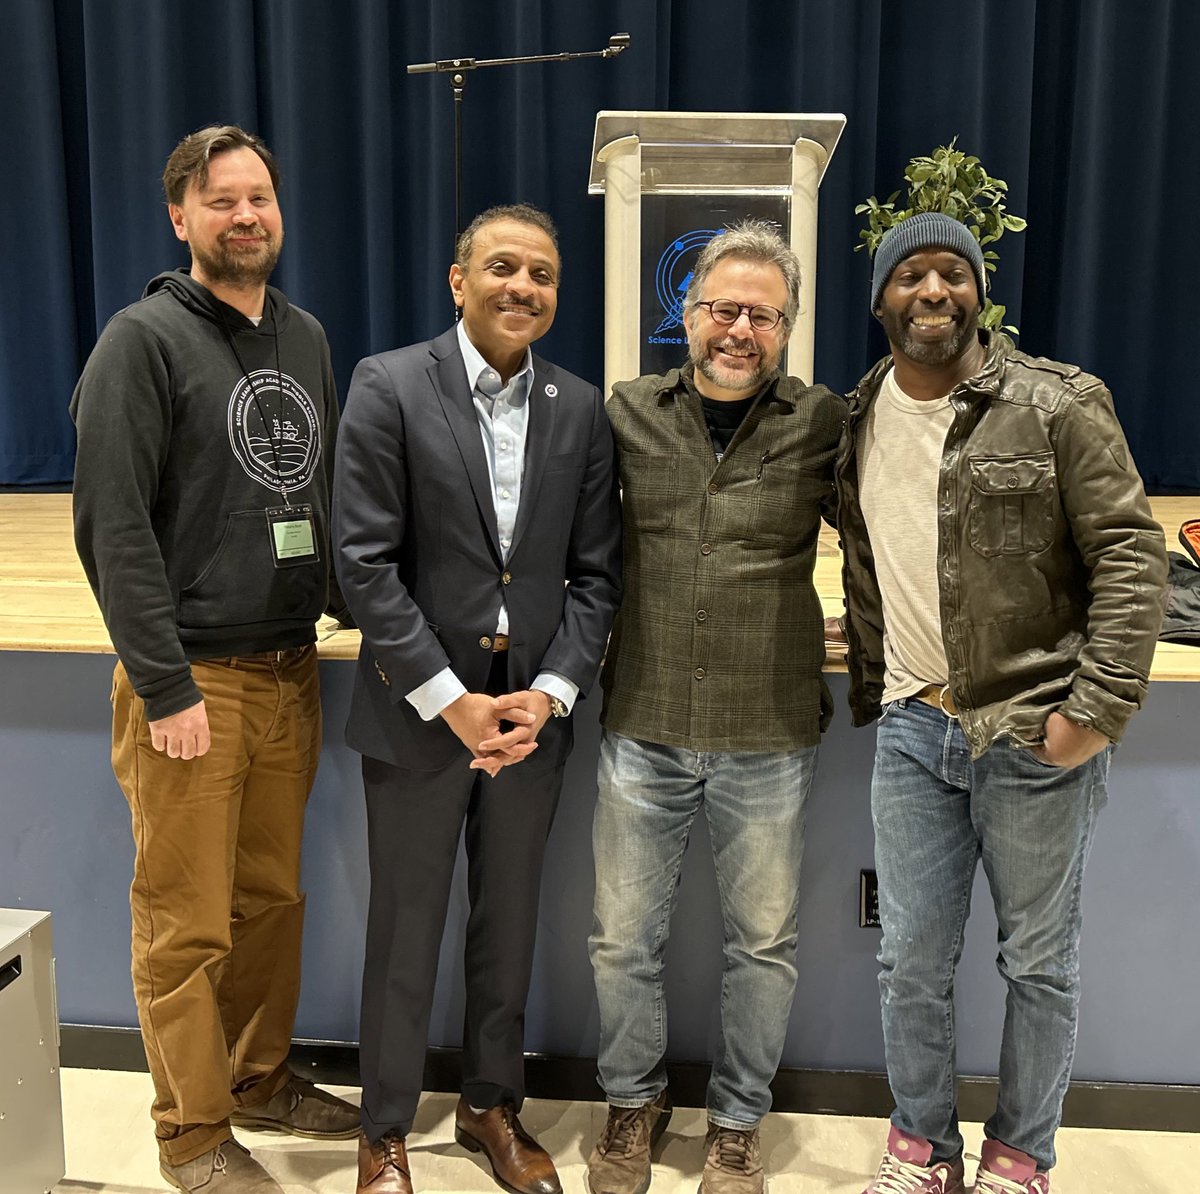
257 231
727 342
523 304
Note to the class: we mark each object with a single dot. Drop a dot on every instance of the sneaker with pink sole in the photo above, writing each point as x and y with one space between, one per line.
905 1169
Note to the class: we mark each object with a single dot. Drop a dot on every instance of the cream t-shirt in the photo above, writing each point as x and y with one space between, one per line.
899 453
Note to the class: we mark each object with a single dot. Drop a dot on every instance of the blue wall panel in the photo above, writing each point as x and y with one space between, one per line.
64 845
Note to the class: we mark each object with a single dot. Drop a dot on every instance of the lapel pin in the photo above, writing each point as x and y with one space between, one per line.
551 390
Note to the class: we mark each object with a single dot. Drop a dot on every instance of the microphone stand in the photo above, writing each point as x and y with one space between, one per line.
457 69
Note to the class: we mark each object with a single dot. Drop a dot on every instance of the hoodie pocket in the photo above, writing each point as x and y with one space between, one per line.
239 584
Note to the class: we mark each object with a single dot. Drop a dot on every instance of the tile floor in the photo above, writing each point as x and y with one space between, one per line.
110 1149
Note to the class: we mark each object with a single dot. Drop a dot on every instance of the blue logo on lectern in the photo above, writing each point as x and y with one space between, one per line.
672 277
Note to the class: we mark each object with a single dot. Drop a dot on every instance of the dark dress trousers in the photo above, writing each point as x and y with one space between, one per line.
419 561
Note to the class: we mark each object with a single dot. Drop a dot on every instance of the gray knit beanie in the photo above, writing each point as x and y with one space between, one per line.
925 230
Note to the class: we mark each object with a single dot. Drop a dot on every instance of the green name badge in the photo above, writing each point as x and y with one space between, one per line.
293 535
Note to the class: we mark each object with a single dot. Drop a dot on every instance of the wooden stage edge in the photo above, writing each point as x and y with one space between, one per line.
46 604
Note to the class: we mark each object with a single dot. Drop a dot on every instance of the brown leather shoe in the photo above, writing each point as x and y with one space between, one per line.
519 1164
383 1165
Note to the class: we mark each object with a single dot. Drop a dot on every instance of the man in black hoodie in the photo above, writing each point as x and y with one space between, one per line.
206 418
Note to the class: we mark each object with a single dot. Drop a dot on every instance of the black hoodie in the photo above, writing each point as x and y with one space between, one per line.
176 466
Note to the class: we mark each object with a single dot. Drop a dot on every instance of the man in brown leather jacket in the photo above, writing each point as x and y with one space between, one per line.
1004 581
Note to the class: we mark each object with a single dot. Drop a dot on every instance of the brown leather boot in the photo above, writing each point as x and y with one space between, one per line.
734 1162
620 1162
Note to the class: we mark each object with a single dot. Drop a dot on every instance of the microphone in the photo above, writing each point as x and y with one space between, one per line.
617 44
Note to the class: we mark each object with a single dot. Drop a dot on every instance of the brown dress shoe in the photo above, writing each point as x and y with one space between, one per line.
383 1165
519 1164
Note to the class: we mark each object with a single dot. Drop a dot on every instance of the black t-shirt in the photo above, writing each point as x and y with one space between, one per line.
723 419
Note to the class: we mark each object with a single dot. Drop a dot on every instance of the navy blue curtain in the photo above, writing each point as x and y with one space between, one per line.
1082 105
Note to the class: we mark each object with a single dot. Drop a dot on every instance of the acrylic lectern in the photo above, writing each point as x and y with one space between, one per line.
671 181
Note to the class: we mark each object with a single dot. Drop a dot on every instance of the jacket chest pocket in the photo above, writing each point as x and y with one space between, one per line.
1013 504
648 489
774 504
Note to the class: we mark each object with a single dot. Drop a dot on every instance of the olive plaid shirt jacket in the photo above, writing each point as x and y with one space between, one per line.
719 641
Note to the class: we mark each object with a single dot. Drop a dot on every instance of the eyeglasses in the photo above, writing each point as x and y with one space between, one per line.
725 312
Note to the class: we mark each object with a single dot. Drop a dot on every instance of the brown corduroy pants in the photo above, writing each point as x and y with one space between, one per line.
216 904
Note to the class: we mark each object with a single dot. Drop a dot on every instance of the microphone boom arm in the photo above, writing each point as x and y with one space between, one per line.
457 69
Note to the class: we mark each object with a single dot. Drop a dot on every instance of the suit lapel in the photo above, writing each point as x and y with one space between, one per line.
543 414
450 382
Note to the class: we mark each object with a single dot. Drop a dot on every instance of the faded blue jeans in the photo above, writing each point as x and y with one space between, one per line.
936 814
754 803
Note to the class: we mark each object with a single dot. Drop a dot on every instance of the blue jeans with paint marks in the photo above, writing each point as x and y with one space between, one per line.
754 803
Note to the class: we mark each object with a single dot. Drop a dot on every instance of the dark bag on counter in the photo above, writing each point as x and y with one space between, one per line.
1182 622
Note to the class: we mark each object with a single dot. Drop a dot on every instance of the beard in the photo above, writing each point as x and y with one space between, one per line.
240 265
931 352
731 379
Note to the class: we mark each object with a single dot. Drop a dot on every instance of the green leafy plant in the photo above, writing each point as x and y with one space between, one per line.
955 183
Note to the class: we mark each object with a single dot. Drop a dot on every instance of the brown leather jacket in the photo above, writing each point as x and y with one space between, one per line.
1051 567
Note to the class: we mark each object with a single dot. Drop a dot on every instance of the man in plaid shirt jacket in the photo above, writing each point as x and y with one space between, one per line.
713 699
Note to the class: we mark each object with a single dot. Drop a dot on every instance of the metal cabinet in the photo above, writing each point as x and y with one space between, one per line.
32 1157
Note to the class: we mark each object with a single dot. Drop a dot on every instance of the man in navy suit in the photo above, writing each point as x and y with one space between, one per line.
478 534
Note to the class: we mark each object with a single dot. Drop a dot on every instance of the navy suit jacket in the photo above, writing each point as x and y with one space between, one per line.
418 554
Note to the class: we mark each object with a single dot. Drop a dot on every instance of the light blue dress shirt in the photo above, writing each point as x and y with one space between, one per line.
503 425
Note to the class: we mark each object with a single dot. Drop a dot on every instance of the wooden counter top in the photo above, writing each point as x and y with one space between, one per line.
46 604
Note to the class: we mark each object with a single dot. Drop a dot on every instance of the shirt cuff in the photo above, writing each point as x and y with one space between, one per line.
430 698
557 686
